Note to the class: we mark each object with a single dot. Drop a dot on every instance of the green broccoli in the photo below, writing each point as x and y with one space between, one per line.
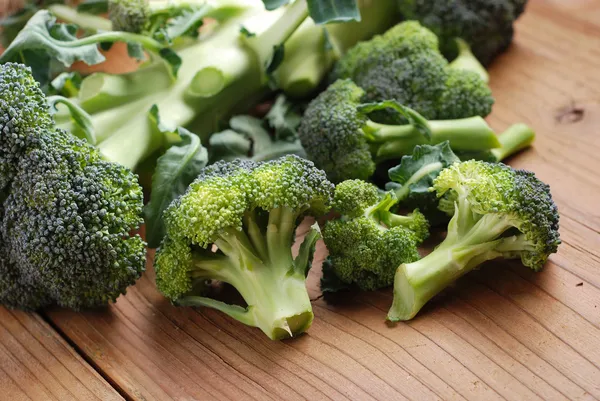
486 25
236 224
368 242
405 65
67 213
497 212
338 136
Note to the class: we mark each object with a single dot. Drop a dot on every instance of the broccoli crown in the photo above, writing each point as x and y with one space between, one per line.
66 213
23 116
331 133
67 221
129 15
515 197
487 25
405 65
222 199
367 243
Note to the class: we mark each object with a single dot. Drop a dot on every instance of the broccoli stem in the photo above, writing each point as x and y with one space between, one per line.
469 243
466 60
394 141
516 138
85 21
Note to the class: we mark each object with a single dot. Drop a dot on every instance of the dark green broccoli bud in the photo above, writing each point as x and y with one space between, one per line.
405 65
67 221
498 212
129 15
368 244
338 135
23 116
487 25
236 224
66 214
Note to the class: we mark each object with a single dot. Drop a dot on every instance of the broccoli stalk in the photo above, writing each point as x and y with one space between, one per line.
236 224
497 212
466 60
339 137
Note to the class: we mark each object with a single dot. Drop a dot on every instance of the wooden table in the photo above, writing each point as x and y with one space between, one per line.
502 333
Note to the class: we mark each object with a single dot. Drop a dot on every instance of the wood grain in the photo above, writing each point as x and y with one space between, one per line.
37 364
502 332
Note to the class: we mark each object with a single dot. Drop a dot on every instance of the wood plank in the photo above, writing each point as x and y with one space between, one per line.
503 332
37 364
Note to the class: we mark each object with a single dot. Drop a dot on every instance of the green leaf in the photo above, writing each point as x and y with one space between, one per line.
276 59
175 171
244 31
172 59
135 50
413 178
66 84
80 117
187 23
42 40
274 4
327 11
229 145
283 118
303 261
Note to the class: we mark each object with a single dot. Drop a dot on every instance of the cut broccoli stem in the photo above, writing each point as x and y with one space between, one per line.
264 44
516 138
394 141
85 21
466 60
461 251
273 286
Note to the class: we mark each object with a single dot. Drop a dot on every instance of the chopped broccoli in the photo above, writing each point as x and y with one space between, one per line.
67 213
340 138
405 65
486 25
497 212
368 242
236 224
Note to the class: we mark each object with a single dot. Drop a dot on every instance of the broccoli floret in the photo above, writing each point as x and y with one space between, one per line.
368 242
236 224
129 15
339 137
67 213
497 212
486 25
405 65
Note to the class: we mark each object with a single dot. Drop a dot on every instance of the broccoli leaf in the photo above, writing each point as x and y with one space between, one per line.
42 40
274 4
66 84
93 6
82 119
175 171
229 145
327 11
283 118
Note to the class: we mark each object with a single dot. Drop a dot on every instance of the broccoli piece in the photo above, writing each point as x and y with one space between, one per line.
405 65
486 25
67 213
129 15
497 212
368 242
236 224
339 137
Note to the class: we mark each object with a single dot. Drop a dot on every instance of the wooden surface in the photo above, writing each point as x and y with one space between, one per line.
501 333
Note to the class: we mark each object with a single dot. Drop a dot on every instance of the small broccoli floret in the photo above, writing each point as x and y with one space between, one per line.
236 224
497 212
339 137
368 242
129 15
67 214
405 65
487 25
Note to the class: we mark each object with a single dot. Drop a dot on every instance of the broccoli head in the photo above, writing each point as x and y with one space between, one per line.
497 212
236 224
67 213
486 25
338 135
405 65
129 15
367 242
